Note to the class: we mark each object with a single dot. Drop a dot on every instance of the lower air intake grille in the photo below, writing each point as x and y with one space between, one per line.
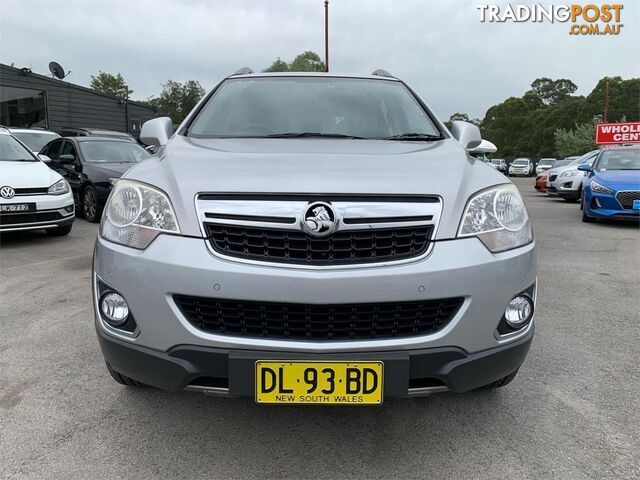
29 217
340 248
294 321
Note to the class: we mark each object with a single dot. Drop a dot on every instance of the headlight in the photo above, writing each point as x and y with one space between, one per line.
59 188
136 214
596 187
569 173
498 217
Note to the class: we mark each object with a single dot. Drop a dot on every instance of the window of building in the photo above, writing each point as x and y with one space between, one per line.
22 107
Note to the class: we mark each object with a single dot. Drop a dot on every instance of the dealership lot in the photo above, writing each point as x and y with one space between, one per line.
570 413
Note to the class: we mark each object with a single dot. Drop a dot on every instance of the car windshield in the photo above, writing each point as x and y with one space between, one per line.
11 150
314 106
586 158
619 160
112 152
521 162
35 140
496 161
547 161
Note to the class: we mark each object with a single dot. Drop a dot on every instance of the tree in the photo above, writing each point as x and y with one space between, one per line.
305 62
278 66
553 91
624 100
575 142
532 125
177 99
461 117
111 84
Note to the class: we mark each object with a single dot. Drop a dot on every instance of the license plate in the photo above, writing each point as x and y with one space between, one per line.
636 204
18 207
311 382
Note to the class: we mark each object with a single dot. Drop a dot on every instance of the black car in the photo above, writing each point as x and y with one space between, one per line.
91 165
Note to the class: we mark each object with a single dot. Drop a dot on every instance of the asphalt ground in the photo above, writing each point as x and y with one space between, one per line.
571 413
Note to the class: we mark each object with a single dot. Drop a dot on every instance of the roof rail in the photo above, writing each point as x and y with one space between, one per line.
243 71
382 73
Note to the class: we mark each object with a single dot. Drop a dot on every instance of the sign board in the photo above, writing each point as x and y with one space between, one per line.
614 133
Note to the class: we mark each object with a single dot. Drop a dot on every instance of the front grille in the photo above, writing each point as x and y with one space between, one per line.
29 217
625 199
294 321
339 248
30 191
552 177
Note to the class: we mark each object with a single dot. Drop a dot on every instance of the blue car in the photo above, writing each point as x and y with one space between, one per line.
612 187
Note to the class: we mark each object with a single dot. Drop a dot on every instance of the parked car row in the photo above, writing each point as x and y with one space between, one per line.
606 182
47 178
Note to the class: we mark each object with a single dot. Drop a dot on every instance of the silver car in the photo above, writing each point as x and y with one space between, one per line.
566 181
314 238
544 164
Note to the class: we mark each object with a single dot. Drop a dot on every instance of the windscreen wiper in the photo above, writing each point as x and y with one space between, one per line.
418 137
312 134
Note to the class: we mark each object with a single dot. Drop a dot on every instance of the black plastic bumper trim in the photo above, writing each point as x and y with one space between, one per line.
175 369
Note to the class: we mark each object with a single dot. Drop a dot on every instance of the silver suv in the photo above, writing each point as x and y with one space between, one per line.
314 238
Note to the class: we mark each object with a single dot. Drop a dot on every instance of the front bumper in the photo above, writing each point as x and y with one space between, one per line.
609 208
167 351
52 211
232 372
174 265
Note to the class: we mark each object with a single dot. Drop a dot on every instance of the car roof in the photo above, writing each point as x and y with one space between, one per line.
95 130
101 139
622 147
313 74
35 130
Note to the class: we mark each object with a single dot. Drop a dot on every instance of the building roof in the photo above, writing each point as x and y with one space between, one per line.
56 81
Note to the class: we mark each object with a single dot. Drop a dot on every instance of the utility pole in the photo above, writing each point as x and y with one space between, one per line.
606 100
326 35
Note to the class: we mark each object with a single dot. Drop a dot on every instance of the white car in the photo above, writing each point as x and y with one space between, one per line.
544 164
566 181
522 167
32 196
33 138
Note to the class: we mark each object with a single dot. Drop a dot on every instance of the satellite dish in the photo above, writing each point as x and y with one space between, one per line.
56 70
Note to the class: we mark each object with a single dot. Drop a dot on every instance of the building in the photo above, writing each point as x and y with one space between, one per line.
31 100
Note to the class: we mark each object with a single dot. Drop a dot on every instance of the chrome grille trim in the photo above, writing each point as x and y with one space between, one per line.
351 215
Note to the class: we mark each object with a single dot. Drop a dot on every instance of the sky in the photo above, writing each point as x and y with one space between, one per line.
439 47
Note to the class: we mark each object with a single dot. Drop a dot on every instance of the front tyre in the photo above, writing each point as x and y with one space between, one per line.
586 218
90 205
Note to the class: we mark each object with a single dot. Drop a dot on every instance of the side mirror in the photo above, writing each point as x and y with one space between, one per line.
467 134
584 168
156 131
67 159
44 158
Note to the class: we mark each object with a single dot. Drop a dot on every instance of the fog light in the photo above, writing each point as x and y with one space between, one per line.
519 311
114 308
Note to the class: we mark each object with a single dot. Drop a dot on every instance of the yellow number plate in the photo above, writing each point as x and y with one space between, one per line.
344 383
